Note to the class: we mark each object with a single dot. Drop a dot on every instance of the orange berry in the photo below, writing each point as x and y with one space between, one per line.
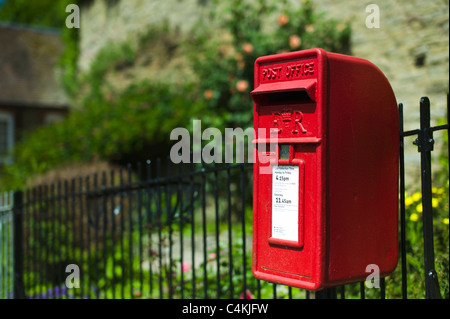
295 41
242 85
283 19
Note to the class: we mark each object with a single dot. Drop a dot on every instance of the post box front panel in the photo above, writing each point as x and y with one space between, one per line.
289 120
286 97
286 244
288 178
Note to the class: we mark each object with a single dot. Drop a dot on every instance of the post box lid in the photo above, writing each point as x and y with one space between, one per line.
308 85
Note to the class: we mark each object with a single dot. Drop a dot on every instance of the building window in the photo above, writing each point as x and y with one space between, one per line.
6 136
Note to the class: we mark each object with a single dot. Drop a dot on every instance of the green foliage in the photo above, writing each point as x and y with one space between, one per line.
109 123
112 124
414 245
68 61
140 116
45 13
415 272
135 263
223 56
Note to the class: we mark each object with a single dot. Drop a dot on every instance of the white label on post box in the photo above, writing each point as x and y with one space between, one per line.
285 181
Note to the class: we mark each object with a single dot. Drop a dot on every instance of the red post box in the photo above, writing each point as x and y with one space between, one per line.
325 171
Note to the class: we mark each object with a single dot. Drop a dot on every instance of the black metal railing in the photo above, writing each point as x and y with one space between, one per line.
160 230
6 246
425 144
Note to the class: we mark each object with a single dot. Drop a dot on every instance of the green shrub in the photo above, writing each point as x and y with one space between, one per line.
140 116
124 125
223 54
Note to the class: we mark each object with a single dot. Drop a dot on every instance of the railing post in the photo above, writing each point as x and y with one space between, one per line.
425 145
402 203
19 292
327 293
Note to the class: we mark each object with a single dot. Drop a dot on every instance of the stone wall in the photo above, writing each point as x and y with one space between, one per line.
411 46
104 21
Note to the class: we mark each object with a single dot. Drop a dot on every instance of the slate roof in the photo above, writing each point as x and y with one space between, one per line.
29 74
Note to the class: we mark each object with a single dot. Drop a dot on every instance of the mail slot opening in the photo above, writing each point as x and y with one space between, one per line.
285 97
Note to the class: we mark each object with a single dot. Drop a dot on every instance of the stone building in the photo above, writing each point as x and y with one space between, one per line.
30 91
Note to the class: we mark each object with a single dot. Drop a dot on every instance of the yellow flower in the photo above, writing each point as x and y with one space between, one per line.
408 201
419 208
437 191
445 221
416 196
414 217
434 202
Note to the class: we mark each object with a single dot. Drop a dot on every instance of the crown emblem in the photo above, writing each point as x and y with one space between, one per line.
286 117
